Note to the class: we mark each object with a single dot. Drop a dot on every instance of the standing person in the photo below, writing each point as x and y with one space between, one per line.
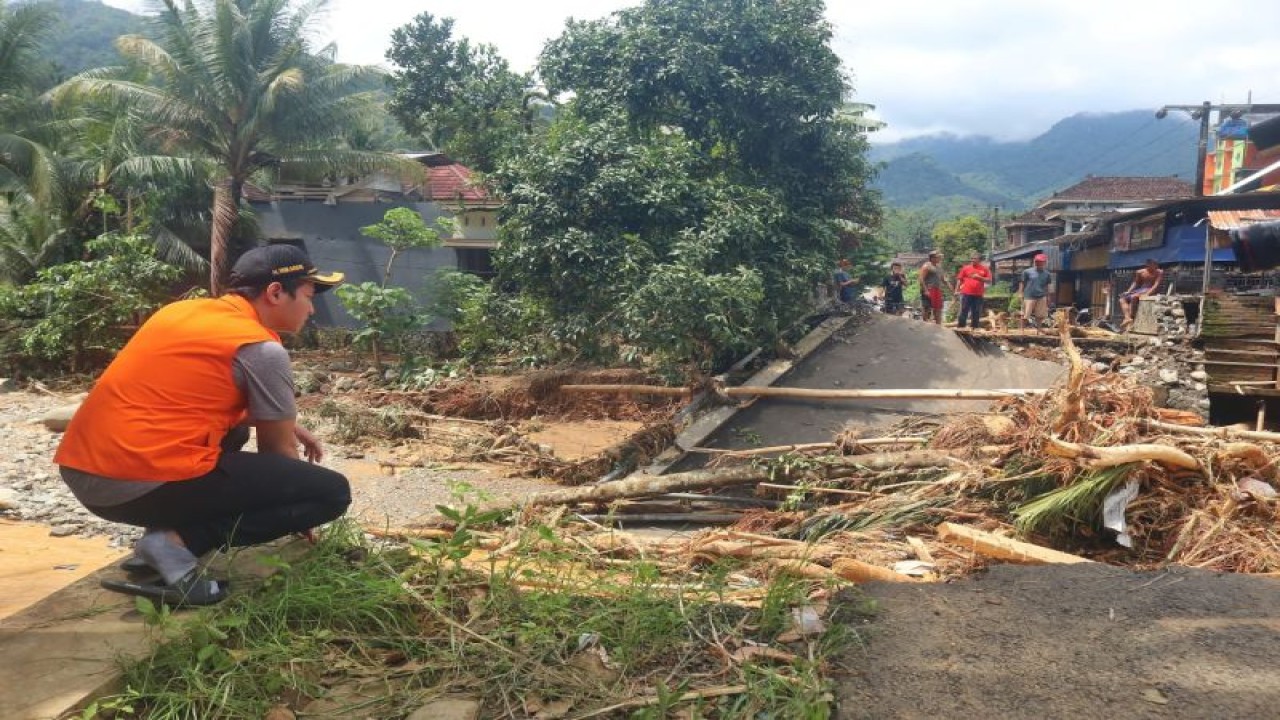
1034 286
157 443
894 285
1145 282
843 282
971 288
931 287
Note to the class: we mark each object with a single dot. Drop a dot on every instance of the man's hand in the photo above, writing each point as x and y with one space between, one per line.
311 448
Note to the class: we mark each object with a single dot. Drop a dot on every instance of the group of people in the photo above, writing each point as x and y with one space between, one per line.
1035 286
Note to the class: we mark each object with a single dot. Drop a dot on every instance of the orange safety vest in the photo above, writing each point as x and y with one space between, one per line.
160 410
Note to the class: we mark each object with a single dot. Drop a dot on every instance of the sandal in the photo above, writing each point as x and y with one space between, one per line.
135 565
193 590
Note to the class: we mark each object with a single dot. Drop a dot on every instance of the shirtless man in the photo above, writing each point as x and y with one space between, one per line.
931 288
1145 282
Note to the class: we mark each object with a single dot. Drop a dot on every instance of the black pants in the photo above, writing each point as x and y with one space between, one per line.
247 499
970 305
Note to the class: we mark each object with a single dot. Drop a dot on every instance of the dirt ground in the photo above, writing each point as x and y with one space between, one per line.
1069 641
33 564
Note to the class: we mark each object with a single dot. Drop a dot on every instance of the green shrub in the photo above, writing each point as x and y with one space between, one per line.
76 316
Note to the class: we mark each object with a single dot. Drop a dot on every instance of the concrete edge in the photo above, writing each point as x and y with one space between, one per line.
702 428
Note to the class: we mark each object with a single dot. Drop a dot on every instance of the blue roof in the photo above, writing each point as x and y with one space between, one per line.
1183 245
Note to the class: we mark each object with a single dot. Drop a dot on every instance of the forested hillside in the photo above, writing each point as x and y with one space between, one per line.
929 172
85 33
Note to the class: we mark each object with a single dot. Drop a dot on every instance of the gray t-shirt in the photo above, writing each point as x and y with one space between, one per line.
1035 283
260 370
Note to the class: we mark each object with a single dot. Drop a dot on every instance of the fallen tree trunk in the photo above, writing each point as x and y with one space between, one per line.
784 392
1216 432
720 478
1105 457
1003 548
858 571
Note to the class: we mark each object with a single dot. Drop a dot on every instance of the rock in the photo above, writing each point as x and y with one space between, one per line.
8 499
58 418
1155 342
1199 375
391 375
1168 376
1203 404
8 385
1178 312
309 382
1137 360
64 530
447 709
344 384
1199 387
1101 367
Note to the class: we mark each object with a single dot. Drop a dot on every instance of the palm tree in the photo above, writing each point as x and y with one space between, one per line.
236 83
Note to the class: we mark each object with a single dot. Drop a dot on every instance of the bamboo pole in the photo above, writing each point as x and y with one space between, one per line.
802 447
1217 432
784 392
1003 548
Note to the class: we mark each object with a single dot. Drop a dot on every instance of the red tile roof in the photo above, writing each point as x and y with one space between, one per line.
451 183
1123 189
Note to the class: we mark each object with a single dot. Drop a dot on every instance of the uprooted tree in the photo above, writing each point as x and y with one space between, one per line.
694 189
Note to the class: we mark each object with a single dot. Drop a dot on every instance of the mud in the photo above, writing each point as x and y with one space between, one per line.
1068 641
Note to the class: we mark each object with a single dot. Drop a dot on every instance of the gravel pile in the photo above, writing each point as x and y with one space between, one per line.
30 489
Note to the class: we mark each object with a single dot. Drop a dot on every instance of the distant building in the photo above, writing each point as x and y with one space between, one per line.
324 216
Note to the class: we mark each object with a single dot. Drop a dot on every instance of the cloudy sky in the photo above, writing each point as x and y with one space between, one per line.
1004 68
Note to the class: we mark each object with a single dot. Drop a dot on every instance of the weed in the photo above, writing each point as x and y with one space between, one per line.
546 624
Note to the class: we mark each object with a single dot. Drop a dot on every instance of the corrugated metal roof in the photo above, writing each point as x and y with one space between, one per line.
1232 219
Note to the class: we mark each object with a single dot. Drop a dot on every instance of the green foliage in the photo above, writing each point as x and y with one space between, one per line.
695 189
85 34
238 85
546 623
960 238
82 311
463 98
388 314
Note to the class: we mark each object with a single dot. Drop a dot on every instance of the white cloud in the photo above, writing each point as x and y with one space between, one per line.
1006 68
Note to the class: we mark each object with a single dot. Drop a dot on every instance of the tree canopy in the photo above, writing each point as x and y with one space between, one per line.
460 97
699 173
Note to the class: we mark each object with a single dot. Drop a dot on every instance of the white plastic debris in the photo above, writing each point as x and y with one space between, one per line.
1113 511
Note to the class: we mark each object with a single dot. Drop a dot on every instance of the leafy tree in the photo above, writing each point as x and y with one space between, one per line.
390 313
83 311
702 151
960 238
462 98
236 83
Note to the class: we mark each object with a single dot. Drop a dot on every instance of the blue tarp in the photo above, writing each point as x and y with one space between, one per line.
1183 245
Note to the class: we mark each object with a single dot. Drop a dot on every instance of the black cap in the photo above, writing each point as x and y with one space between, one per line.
264 265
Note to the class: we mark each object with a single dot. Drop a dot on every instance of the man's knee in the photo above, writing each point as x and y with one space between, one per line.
332 491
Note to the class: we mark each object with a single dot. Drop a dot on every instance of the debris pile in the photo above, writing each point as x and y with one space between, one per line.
1092 468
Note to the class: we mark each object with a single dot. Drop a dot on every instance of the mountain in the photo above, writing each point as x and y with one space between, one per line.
947 170
85 33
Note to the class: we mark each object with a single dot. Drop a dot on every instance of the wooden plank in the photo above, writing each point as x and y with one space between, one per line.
1003 548
1207 361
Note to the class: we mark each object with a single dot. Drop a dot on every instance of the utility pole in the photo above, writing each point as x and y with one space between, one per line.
995 229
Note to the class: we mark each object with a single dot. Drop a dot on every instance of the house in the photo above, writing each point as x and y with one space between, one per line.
1064 228
323 215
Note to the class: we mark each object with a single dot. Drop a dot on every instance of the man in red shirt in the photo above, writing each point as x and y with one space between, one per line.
971 287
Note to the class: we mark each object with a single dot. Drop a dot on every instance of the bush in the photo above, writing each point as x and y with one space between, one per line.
76 316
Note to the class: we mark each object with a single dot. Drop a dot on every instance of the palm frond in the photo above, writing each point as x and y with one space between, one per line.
1076 505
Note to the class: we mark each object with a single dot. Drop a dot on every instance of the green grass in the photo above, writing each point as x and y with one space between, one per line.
412 623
